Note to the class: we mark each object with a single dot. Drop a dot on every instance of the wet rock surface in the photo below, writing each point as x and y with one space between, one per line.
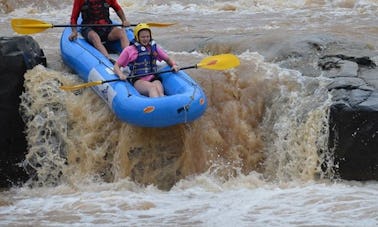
17 54
353 116
353 121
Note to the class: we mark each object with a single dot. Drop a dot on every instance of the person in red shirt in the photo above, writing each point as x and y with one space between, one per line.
97 12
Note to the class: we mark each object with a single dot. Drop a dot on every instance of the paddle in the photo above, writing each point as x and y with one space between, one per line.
31 26
216 62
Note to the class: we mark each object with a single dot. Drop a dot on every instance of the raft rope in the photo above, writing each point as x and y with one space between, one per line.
186 107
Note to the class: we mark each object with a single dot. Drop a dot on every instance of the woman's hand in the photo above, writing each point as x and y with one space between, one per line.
122 76
172 63
118 72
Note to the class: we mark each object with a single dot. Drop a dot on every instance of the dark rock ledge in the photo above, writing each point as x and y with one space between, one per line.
353 115
17 54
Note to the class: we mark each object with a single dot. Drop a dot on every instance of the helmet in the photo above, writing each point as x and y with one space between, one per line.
139 28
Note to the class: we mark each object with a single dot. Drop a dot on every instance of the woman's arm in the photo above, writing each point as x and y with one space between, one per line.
173 64
118 72
129 54
164 56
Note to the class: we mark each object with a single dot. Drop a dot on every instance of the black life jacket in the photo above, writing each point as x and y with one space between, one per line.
95 12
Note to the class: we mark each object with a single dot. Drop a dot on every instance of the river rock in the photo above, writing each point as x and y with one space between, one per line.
17 54
353 115
353 118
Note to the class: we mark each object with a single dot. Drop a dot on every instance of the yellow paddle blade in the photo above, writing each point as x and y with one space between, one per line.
155 24
219 62
29 26
80 86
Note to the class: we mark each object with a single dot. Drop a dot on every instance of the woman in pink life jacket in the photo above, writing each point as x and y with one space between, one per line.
141 57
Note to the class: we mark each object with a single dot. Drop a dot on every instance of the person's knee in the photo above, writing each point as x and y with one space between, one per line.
119 33
158 88
94 37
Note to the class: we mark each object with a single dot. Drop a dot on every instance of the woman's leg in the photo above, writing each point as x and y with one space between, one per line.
159 87
147 88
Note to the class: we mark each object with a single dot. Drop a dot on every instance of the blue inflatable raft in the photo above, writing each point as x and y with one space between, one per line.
184 102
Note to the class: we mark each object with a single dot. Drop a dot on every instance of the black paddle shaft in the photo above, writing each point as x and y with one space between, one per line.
166 71
88 25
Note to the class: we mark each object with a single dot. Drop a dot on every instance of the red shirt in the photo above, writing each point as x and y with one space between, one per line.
79 3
